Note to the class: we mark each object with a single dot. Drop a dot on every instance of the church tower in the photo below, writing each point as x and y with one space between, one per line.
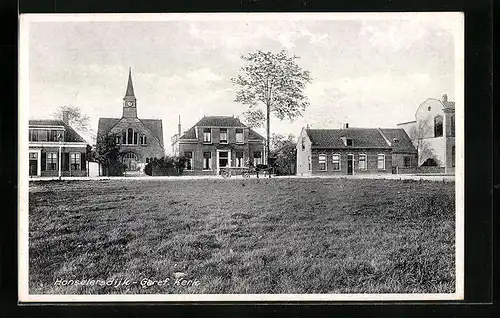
129 101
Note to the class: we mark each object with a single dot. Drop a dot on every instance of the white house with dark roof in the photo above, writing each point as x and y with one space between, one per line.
56 149
140 140
433 134
351 151
215 142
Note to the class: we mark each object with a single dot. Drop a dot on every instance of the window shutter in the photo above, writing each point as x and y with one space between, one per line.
65 161
84 164
44 161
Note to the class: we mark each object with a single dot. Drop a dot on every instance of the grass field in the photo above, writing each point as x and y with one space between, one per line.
242 236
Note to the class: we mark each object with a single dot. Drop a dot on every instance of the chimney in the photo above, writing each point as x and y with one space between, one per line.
65 117
445 98
179 126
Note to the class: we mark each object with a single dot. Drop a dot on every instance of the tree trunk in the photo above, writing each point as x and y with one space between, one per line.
268 133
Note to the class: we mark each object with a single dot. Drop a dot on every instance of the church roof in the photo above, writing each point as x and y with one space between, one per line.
130 85
154 125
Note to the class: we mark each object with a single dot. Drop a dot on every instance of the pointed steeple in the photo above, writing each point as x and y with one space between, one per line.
130 86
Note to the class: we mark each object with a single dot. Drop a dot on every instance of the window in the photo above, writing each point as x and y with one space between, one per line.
381 162
124 137
53 135
336 162
135 138
362 162
207 160
257 157
130 134
453 156
438 126
189 160
147 160
33 156
33 135
51 161
349 142
309 163
239 159
117 140
407 161
303 143
223 135
239 135
75 160
322 162
143 140
452 128
207 135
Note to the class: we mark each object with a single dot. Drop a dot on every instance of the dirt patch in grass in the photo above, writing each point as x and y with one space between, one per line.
251 236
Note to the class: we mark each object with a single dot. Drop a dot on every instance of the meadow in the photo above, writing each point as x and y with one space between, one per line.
242 236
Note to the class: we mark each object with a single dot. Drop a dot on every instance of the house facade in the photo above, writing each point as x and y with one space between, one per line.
352 151
55 149
215 142
433 134
140 140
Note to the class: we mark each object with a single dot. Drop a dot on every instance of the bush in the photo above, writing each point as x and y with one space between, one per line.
166 166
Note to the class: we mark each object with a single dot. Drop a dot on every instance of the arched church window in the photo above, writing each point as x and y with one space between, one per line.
124 137
438 126
130 135
135 138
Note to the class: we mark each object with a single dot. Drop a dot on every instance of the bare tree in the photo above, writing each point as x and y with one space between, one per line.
274 81
418 135
77 119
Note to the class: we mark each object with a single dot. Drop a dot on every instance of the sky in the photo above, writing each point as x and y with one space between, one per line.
365 72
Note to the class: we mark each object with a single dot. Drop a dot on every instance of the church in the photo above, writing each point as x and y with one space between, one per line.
140 140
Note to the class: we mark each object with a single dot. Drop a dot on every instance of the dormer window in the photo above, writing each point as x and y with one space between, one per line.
207 135
349 142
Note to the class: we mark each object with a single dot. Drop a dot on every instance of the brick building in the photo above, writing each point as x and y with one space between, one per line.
352 151
218 141
139 139
55 149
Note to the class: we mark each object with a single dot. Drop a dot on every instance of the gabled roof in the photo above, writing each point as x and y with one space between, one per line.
253 135
154 125
332 138
403 143
70 134
220 121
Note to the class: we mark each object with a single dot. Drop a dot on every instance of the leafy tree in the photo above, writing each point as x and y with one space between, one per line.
165 166
284 154
274 81
108 154
77 119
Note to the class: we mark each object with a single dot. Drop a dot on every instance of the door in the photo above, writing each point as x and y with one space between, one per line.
350 164
222 159
33 160
130 161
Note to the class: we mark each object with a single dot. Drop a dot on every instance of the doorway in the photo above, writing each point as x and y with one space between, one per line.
350 164
130 161
33 164
223 159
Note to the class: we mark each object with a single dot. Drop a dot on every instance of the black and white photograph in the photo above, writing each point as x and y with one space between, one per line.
241 157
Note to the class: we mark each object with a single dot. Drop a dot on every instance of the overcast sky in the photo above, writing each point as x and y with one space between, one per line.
369 73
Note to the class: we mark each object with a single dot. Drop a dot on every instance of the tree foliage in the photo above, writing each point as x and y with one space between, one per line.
77 119
284 154
107 153
274 80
